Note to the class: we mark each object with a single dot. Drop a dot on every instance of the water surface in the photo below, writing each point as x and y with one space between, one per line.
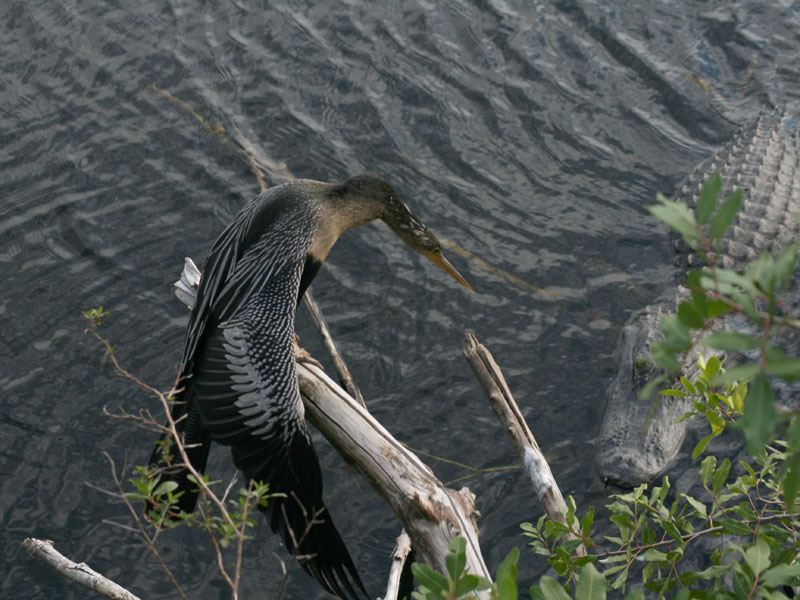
532 134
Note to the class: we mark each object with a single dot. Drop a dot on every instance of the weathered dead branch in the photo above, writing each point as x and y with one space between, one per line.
77 572
508 413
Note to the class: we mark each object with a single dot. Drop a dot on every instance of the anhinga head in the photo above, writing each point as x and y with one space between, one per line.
384 203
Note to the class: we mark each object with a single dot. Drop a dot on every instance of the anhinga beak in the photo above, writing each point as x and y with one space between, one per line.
445 265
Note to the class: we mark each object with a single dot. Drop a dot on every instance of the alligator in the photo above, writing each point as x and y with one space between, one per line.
762 161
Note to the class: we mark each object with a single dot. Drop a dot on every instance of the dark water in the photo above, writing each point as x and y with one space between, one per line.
532 134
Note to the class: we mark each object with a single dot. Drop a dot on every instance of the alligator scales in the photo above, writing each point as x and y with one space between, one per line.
763 162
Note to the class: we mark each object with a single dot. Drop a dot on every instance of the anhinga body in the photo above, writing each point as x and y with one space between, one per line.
238 369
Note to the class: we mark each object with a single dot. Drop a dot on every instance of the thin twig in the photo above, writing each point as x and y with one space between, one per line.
345 378
491 379
690 537
149 542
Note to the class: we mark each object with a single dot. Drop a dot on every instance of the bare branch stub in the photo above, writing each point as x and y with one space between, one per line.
401 552
511 418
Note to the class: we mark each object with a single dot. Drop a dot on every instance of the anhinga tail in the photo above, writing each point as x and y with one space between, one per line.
300 517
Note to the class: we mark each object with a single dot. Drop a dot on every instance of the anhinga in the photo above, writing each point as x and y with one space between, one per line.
238 369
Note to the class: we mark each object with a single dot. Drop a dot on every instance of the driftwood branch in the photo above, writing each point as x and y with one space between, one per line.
431 514
508 413
78 572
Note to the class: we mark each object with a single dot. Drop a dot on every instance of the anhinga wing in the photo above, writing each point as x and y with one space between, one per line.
245 386
219 268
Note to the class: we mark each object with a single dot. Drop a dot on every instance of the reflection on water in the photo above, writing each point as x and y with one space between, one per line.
531 135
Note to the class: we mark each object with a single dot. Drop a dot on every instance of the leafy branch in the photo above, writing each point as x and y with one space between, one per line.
226 520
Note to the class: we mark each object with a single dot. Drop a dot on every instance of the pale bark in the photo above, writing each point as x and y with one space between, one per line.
399 556
78 572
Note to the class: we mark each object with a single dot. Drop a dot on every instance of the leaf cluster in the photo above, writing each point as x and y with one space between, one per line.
720 405
457 583
95 315
161 500
754 539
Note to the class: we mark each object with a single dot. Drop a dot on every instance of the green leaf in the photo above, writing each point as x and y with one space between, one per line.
708 198
707 468
506 588
726 215
716 421
653 555
456 559
739 373
712 367
760 272
781 574
551 589
647 571
672 531
728 281
678 216
757 556
676 393
688 385
785 368
587 520
635 595
701 446
715 308
731 341
166 487
684 416
690 315
591 584
467 584
620 581
675 333
696 504
509 565
785 264
696 288
760 417
721 475
742 583
713 572
436 582
791 481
